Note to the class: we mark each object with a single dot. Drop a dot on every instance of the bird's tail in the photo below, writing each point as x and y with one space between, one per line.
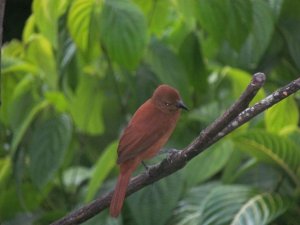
119 194
126 169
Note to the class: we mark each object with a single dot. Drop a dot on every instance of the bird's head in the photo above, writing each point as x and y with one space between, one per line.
167 99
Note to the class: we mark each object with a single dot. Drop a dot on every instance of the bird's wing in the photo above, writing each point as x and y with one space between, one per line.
141 134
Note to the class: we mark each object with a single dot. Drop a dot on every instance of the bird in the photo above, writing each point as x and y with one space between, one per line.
146 133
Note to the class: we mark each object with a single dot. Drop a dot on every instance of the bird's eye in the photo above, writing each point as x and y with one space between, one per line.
167 104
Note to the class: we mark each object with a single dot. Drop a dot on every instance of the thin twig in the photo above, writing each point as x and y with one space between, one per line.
219 124
233 118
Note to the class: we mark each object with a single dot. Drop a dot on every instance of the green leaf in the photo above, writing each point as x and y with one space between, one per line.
282 115
154 204
206 113
271 148
168 68
74 176
5 170
22 109
212 204
123 32
276 7
46 14
190 53
101 169
261 209
40 52
188 9
86 106
29 28
223 203
289 10
236 166
292 38
261 175
58 100
228 19
47 148
83 25
256 42
13 62
24 125
15 65
240 21
259 37
9 85
159 15
14 48
10 204
189 209
218 154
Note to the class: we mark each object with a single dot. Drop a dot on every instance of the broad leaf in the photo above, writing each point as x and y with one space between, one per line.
50 140
40 52
190 53
101 169
208 163
5 169
154 204
23 107
10 203
158 14
12 61
83 25
206 113
288 25
257 41
273 149
223 203
74 176
261 209
230 20
58 100
282 115
15 65
29 28
22 100
24 125
260 36
46 14
168 67
86 106
212 204
261 175
292 38
189 209
123 32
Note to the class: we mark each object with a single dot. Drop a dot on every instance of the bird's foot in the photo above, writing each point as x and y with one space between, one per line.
145 165
147 168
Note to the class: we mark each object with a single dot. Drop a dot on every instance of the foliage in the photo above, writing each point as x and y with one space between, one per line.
84 66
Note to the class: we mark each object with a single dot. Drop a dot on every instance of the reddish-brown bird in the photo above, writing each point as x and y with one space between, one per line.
148 130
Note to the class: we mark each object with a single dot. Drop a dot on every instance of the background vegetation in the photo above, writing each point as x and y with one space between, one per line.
84 66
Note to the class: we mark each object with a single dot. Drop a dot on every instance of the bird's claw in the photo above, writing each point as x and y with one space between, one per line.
147 168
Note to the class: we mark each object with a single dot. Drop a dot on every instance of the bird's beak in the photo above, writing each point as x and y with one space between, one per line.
181 105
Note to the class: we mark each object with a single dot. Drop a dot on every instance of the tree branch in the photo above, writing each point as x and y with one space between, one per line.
234 117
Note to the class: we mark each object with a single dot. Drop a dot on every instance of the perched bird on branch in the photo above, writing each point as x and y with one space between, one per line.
147 132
